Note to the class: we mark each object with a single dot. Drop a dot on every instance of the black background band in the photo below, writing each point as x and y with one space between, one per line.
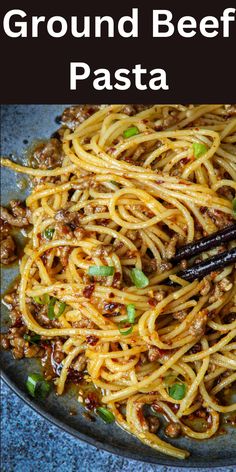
199 69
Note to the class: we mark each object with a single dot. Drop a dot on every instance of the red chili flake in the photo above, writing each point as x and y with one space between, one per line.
111 150
111 295
88 290
156 407
91 401
111 306
162 352
196 348
203 209
116 279
185 160
174 406
200 414
18 323
103 222
74 376
65 229
92 340
160 182
152 302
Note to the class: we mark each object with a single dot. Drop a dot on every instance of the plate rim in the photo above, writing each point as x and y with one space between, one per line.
90 440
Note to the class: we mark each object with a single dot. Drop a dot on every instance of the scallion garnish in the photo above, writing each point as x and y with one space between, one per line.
132 131
101 271
34 339
48 233
131 313
139 278
106 415
128 330
234 207
177 391
51 312
199 149
44 300
37 386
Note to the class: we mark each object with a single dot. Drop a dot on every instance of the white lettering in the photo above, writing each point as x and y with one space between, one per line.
157 22
63 26
184 23
226 18
74 76
21 24
133 20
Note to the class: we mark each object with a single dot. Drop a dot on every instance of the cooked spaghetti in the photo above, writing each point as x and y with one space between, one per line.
133 184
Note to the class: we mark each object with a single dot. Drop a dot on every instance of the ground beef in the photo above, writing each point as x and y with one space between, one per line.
41 316
154 354
80 363
198 326
171 247
75 115
84 323
103 250
68 217
173 430
7 250
20 347
134 109
220 218
17 215
48 155
153 424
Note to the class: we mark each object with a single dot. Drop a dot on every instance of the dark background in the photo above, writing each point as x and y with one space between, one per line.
36 70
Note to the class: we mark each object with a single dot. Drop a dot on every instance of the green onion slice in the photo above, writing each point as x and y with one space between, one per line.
32 339
106 415
51 312
139 278
101 271
121 328
177 391
234 207
132 131
37 386
44 300
48 233
199 149
131 313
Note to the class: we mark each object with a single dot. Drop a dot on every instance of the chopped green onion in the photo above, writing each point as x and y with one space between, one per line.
127 331
139 278
32 339
51 312
101 271
132 131
234 207
177 391
48 233
37 386
114 182
199 149
131 312
106 415
42 301
61 309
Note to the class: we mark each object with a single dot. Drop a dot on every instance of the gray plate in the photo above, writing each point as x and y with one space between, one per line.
31 122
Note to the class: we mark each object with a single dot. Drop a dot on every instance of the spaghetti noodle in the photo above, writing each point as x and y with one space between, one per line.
131 187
